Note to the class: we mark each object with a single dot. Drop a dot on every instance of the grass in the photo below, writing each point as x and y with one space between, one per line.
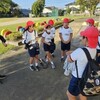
7 19
14 26
5 49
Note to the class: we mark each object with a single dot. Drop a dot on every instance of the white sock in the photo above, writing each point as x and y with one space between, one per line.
46 60
62 57
51 62
36 64
31 64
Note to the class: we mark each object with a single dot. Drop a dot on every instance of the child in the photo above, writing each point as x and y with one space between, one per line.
98 50
89 40
4 43
51 23
30 39
48 44
66 37
90 22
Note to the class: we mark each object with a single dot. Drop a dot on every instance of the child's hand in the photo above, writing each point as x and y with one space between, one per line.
98 54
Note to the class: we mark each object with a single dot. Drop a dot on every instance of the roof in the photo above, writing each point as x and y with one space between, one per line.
70 4
51 8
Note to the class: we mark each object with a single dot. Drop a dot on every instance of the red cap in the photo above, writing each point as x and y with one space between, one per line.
51 22
66 20
92 35
90 20
46 25
29 23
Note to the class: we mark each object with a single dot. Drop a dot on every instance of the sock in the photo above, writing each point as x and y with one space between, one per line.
36 64
62 57
31 64
51 62
46 60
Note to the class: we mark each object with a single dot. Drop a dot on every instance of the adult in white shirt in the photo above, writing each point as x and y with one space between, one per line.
89 40
65 35
48 45
30 39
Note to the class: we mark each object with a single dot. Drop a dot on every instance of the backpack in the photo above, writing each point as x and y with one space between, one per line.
89 84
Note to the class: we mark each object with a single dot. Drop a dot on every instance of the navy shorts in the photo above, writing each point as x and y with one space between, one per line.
98 57
65 46
73 86
33 52
48 48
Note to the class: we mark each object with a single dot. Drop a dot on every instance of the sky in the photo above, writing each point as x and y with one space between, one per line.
57 3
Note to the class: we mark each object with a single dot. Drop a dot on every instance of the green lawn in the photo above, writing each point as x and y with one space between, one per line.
5 49
7 19
14 26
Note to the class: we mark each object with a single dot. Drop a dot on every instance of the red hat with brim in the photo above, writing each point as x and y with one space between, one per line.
92 35
29 23
51 22
46 26
66 20
90 20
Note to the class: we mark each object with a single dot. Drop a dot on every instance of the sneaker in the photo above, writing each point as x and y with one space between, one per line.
32 68
41 62
53 55
2 76
53 66
37 68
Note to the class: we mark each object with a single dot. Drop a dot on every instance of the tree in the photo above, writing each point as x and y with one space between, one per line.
68 10
38 7
61 12
8 8
5 6
90 5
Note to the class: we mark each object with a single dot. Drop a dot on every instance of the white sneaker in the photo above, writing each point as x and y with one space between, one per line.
53 66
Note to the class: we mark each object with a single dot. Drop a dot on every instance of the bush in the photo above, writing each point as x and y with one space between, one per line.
14 36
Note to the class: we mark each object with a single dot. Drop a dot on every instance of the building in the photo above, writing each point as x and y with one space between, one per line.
50 11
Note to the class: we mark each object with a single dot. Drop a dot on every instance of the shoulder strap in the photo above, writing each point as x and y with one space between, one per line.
35 33
87 54
76 69
98 44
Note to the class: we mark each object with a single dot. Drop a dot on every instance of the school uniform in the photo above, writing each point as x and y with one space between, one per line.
31 36
98 50
48 39
79 56
53 32
65 35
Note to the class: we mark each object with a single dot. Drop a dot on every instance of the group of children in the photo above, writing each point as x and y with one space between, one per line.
90 40
30 38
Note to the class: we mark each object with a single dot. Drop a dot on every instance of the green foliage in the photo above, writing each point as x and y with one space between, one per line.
68 10
14 36
38 7
5 49
61 12
88 4
8 8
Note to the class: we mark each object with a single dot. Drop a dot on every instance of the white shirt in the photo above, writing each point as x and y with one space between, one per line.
27 36
99 43
81 58
47 37
65 33
53 31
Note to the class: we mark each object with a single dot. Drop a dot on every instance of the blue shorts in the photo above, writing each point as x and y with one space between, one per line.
33 52
98 57
74 86
48 48
65 47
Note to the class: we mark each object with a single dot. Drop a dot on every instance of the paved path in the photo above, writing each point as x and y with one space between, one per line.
23 84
